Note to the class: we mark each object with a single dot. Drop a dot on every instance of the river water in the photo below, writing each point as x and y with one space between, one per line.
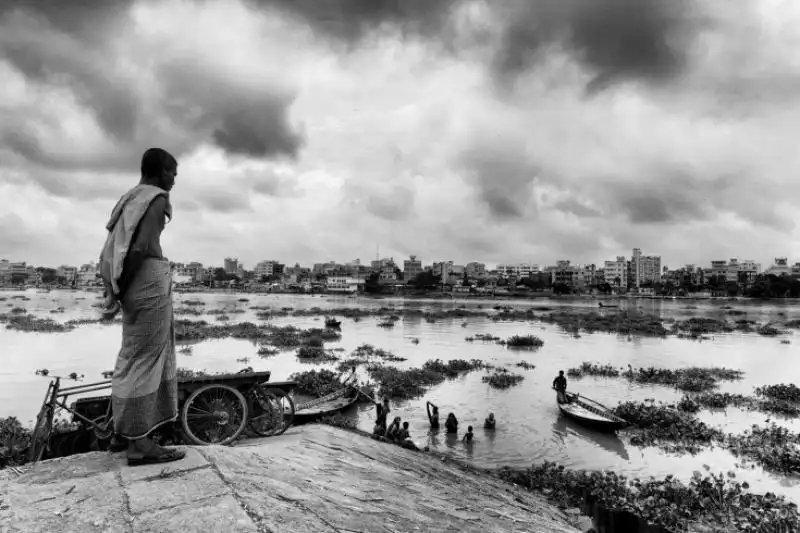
529 428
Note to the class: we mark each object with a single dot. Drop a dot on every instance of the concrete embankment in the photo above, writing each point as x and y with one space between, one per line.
314 478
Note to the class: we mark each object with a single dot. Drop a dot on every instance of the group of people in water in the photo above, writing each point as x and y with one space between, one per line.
398 431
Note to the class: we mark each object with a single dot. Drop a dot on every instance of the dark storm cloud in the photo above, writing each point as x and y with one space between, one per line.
65 48
351 20
617 40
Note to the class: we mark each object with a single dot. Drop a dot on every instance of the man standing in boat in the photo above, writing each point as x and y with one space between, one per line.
560 386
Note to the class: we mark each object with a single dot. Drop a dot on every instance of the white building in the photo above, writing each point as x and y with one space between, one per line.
616 272
341 282
521 270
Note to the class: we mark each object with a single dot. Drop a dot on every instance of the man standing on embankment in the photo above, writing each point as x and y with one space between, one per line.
138 279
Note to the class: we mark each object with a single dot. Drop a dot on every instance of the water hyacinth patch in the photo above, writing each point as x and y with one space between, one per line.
666 427
526 365
523 341
786 392
502 379
316 383
774 447
715 501
413 382
485 337
590 369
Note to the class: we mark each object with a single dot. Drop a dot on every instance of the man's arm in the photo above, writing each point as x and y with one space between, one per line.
149 228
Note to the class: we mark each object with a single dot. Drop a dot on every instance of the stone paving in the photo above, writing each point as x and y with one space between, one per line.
314 478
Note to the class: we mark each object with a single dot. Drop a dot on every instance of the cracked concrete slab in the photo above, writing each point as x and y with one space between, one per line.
312 479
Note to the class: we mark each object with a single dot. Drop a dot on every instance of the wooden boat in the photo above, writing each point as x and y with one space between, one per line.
611 306
591 414
325 406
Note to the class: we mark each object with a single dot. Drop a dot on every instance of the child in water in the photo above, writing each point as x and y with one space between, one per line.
468 436
489 423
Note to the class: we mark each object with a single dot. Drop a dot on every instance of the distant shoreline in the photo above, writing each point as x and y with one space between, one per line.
429 296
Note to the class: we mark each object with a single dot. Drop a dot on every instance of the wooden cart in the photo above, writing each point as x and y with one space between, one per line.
212 409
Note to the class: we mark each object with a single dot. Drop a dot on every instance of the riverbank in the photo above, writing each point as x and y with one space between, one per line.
313 478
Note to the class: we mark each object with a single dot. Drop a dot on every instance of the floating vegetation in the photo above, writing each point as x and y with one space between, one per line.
225 311
666 427
194 302
33 324
223 318
524 341
526 365
316 383
485 337
316 352
186 350
453 368
782 391
386 324
363 353
716 502
107 374
622 322
773 447
698 326
692 379
284 337
502 379
57 310
414 340
412 383
267 351
245 300
590 369
769 331
18 310
182 311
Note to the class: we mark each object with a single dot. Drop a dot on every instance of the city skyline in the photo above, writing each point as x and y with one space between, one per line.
463 132
399 261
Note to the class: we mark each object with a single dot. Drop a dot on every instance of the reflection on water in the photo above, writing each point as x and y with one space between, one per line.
563 428
529 428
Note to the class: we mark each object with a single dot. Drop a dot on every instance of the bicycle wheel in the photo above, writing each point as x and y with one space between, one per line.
40 440
214 414
272 411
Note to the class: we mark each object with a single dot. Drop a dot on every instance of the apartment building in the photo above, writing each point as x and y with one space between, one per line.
521 270
69 273
231 265
266 268
475 270
412 267
616 272
644 268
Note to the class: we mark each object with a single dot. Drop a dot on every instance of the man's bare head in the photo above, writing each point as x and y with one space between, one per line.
159 168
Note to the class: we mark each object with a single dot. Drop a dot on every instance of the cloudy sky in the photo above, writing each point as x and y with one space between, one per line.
312 130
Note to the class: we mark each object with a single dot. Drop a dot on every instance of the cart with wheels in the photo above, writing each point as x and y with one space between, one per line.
212 409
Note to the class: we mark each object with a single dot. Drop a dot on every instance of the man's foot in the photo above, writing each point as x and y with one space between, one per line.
146 452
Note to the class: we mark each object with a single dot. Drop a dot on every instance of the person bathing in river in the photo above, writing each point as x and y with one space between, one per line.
560 386
137 279
380 420
433 415
393 432
468 436
451 424
489 423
